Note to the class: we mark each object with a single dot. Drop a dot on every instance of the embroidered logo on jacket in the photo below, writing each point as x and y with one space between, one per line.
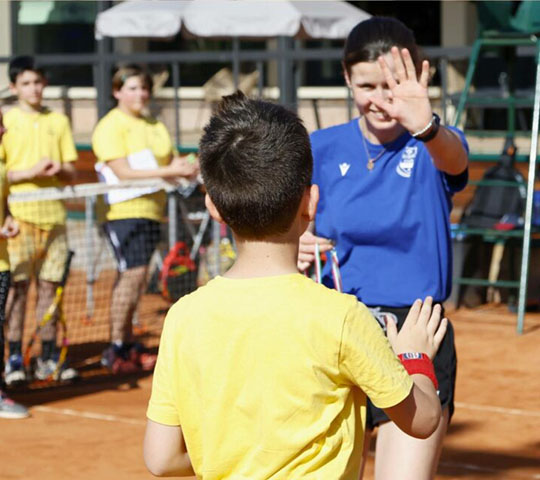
344 168
407 162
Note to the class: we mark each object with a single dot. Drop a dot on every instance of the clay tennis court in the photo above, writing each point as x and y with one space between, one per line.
94 430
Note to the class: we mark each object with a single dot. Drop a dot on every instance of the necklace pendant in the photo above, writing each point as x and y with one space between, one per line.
370 164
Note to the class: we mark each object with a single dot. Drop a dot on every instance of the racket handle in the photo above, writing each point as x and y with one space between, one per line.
66 267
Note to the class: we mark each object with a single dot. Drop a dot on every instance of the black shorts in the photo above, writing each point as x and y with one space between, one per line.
133 241
445 363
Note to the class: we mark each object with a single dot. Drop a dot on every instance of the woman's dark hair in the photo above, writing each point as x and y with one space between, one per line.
123 73
375 37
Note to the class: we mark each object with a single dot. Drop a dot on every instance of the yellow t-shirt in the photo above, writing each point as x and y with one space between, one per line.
29 138
4 257
268 378
118 135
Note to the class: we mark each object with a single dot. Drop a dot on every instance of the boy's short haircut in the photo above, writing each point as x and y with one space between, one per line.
256 163
21 64
123 73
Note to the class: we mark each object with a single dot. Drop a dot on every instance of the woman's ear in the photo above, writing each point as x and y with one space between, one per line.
212 209
346 76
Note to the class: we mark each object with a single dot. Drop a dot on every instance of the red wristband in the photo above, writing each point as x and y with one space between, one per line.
419 363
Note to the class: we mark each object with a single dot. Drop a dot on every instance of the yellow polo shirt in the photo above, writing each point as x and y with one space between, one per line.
30 137
4 257
268 377
118 135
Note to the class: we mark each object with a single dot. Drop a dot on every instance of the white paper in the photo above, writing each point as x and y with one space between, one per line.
143 160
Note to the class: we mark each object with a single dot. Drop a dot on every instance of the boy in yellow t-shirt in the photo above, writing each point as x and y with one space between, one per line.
129 145
38 152
8 408
263 373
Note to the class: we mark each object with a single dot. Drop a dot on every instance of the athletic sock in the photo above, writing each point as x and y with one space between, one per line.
15 348
48 348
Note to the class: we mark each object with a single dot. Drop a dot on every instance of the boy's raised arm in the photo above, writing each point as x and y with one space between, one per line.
165 452
419 413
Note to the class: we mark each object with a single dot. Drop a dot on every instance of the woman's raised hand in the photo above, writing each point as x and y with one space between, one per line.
408 102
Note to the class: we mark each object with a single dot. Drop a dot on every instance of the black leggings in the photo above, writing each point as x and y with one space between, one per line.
5 278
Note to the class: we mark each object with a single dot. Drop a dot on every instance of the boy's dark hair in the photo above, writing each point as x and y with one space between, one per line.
256 163
21 64
375 37
123 73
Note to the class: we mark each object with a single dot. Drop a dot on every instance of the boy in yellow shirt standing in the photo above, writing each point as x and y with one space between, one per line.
8 408
38 152
263 373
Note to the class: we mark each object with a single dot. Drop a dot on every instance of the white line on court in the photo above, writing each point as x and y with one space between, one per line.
492 409
478 468
90 415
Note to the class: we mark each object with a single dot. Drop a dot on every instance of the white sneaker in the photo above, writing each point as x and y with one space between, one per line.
11 409
14 372
46 368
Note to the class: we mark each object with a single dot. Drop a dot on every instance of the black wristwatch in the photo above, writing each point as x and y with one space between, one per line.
432 129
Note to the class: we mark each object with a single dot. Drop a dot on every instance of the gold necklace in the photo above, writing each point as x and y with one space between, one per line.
371 161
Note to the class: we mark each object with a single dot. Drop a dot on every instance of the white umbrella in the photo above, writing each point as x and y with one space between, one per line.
229 18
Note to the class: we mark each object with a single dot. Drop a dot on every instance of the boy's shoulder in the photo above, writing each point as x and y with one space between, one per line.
291 294
14 114
123 123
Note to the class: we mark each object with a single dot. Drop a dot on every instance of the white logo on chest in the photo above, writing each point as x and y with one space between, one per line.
407 162
344 168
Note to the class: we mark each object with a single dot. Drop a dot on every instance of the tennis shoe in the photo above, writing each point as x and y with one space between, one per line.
45 369
116 359
11 409
139 355
128 358
14 373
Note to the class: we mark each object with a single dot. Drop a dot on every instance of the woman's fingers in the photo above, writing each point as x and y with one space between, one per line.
409 65
424 75
390 80
401 72
384 105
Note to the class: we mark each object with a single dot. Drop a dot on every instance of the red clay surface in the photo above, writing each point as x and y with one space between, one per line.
94 430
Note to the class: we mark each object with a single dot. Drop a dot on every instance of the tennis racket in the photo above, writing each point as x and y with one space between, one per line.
56 306
336 274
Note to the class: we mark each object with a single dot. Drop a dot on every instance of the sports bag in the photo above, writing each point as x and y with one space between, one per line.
491 203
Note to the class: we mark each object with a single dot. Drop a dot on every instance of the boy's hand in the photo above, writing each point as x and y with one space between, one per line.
46 168
10 228
185 168
306 249
423 330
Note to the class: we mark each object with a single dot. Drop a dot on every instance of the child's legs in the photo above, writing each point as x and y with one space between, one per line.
4 288
22 250
125 298
133 241
53 251
16 309
407 458
46 292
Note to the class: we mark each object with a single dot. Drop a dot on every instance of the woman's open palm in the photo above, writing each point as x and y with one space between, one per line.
408 102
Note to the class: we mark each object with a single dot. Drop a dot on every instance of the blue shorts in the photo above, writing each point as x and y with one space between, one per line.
133 241
445 364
